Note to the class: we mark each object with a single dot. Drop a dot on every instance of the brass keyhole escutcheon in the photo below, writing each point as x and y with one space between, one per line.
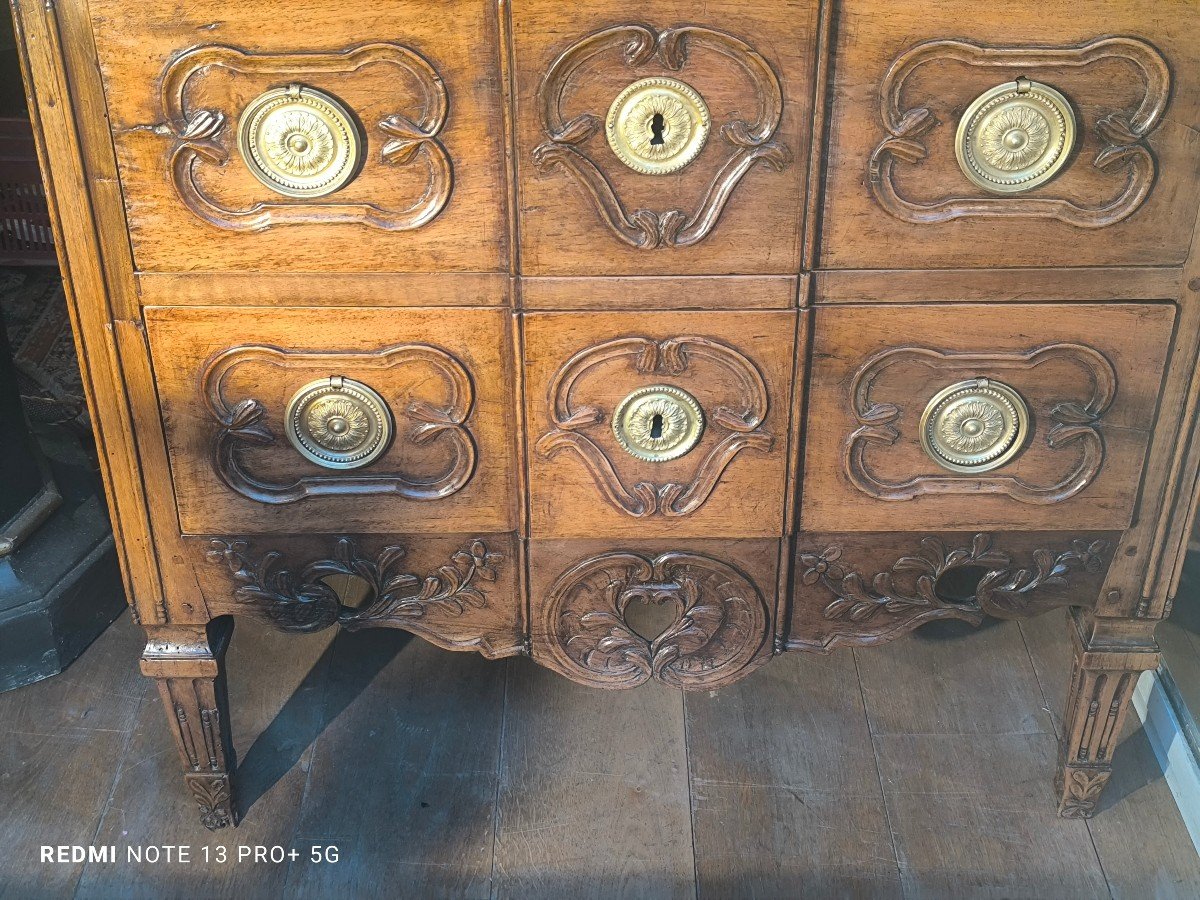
300 142
974 426
657 125
338 423
1015 137
658 423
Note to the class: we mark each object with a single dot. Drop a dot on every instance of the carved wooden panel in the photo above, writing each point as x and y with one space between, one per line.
588 213
581 367
1088 375
227 378
1126 154
863 589
712 612
1124 195
428 104
459 592
207 137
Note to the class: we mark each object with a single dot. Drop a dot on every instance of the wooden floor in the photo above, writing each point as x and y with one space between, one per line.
921 769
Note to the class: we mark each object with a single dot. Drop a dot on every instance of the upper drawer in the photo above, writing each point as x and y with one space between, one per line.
980 416
307 138
940 157
348 420
670 140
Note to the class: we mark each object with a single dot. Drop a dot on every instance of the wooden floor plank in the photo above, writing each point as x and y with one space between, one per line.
59 743
974 816
1143 844
1048 640
947 678
593 793
275 688
404 780
786 797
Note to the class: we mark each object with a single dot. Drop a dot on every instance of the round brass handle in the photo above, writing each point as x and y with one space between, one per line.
974 426
658 423
338 423
299 141
657 125
1015 137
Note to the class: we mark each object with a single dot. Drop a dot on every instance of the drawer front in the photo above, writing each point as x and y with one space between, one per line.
345 420
863 588
657 424
670 145
363 142
1100 174
695 616
981 416
458 591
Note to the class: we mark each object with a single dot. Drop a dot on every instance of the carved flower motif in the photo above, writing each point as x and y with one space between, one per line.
972 426
821 564
650 143
1014 138
337 424
298 143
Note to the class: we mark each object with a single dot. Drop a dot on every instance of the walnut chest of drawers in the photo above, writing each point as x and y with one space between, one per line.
799 322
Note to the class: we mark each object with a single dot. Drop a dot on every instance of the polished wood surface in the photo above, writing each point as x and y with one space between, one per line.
505 282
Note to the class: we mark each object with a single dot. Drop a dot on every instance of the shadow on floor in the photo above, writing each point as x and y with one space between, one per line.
317 701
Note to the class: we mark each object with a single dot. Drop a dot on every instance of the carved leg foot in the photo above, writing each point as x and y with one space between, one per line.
189 665
1102 683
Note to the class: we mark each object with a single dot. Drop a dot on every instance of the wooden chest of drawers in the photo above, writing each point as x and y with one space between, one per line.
799 322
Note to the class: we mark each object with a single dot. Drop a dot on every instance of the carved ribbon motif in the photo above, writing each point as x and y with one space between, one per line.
1075 423
199 137
742 422
1125 133
750 142
720 621
303 602
242 424
905 595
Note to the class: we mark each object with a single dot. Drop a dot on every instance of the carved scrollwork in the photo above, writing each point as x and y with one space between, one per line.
1126 153
576 428
906 595
242 425
750 142
212 797
720 623
302 601
200 137
1075 423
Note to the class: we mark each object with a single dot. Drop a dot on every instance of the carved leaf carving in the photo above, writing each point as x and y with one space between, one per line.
301 601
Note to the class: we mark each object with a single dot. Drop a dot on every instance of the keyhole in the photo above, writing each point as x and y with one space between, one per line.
657 126
656 426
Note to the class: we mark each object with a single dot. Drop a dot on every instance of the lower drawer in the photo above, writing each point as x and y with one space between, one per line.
981 416
866 588
695 615
461 592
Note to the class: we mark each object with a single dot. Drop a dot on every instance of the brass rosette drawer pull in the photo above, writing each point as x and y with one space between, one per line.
300 142
974 426
657 125
339 423
658 423
1015 137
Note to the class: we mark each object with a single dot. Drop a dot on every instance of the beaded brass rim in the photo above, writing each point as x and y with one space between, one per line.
974 426
657 125
338 423
1015 137
299 141
658 423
